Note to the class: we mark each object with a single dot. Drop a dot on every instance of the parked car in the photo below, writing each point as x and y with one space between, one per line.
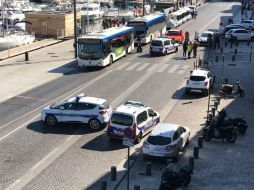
232 26
166 140
177 35
134 115
163 46
170 24
239 34
199 80
192 8
79 109
248 24
203 37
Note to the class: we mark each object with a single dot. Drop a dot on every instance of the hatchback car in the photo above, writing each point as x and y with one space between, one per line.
166 140
79 109
232 26
199 80
239 34
163 46
203 37
248 24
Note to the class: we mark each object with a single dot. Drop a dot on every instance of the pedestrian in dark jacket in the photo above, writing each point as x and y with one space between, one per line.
185 45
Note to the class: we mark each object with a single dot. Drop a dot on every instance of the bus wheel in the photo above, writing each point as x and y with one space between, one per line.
110 59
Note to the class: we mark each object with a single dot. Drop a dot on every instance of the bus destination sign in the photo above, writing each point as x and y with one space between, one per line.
136 24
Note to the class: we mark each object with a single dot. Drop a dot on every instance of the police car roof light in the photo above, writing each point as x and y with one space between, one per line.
133 103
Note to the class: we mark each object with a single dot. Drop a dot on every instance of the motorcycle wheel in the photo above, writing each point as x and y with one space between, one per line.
207 137
187 181
242 128
232 138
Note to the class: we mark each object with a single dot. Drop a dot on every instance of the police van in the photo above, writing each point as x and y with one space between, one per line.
135 116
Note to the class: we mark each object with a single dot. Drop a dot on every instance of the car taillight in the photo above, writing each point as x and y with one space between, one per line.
206 83
146 144
169 147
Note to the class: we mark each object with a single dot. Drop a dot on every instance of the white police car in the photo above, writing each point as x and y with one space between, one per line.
134 115
163 45
80 109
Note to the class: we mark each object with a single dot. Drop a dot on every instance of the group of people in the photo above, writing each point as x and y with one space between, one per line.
113 22
213 40
189 46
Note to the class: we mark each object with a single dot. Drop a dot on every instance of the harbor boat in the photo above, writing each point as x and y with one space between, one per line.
91 11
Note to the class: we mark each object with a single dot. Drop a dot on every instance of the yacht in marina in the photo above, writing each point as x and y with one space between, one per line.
91 11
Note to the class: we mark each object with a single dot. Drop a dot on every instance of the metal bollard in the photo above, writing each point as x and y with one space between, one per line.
196 152
148 169
26 56
113 173
248 43
136 187
215 105
221 50
200 141
233 58
191 162
236 43
104 185
235 52
216 58
231 44
250 56
210 117
226 44
213 111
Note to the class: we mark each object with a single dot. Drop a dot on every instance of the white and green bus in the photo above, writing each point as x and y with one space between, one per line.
103 48
149 27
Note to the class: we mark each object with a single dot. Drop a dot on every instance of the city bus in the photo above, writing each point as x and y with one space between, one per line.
181 16
105 47
148 27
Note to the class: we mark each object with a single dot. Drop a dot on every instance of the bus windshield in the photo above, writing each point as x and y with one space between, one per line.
89 49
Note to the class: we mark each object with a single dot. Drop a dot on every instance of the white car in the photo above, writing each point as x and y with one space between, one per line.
192 8
80 109
163 46
239 34
199 80
248 24
166 140
133 115
203 37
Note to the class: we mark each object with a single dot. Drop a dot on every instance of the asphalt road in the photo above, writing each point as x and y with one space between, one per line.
70 156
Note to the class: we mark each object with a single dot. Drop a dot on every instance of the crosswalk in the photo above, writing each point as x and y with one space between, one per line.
168 68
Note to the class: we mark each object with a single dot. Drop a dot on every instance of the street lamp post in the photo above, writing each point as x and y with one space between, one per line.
75 29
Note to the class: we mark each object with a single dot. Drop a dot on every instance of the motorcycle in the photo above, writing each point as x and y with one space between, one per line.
238 122
229 133
172 179
227 89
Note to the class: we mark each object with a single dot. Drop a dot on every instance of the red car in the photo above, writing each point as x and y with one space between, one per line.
177 35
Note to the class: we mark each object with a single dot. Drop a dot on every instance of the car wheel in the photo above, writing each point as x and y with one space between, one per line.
165 53
232 138
176 50
152 54
94 124
205 92
51 120
187 92
187 181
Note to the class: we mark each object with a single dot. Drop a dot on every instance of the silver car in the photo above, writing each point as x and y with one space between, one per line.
166 140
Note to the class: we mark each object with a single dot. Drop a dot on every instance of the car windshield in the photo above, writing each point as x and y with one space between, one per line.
205 35
156 43
173 33
158 140
105 105
197 78
58 104
89 49
121 119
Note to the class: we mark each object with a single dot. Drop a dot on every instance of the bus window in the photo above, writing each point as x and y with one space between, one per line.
89 49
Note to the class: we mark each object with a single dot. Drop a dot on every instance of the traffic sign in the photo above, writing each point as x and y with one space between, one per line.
128 142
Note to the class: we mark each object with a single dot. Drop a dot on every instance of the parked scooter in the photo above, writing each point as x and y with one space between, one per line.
172 179
238 122
227 89
229 133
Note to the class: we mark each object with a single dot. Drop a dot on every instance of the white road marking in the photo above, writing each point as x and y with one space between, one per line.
173 68
143 66
120 67
154 67
182 70
26 97
133 66
163 68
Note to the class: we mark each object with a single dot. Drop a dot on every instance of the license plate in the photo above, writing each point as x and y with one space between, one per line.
196 83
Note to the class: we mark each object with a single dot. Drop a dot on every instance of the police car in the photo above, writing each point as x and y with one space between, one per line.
80 109
135 116
162 45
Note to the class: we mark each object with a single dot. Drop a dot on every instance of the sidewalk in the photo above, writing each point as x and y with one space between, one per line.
220 165
44 65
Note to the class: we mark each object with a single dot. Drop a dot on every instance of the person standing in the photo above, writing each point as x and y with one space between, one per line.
195 48
189 49
187 35
210 41
185 46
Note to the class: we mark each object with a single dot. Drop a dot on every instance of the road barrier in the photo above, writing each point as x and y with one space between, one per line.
26 56
221 50
113 173
213 111
195 152
200 141
104 185
218 100
226 44
233 58
148 168
235 52
215 105
191 162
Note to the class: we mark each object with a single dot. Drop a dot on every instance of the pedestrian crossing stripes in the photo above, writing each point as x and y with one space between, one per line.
153 67
133 66
183 69
121 67
173 69
143 66
162 68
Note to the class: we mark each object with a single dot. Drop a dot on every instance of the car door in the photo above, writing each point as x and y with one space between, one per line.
142 121
177 141
184 135
85 111
152 119
69 113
